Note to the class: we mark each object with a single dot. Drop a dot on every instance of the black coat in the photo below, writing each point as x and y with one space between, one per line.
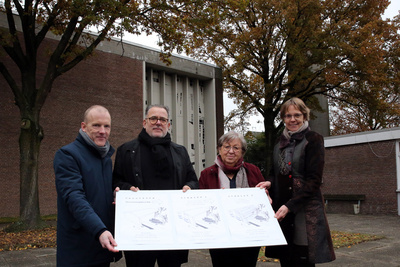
299 189
128 167
128 172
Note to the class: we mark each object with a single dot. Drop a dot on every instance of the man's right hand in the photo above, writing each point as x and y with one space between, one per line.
107 241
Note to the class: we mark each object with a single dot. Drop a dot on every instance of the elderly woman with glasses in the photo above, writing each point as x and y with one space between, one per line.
294 186
230 171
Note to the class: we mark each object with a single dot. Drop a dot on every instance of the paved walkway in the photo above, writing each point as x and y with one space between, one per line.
381 253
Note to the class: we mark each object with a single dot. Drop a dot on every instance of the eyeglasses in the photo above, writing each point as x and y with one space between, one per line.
296 116
153 120
228 148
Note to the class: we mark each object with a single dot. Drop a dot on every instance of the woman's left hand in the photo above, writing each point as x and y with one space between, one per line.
281 213
266 185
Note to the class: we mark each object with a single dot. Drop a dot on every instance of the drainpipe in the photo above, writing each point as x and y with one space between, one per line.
398 175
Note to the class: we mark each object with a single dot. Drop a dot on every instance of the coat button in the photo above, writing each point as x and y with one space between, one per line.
290 176
289 163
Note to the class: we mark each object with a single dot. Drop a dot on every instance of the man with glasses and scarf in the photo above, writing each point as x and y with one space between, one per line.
154 162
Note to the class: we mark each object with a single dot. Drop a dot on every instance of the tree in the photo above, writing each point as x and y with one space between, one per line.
373 100
72 21
256 151
272 50
370 110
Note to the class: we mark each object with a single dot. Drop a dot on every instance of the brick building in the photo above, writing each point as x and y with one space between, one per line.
363 167
124 81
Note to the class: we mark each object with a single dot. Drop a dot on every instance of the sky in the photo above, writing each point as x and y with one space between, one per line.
255 121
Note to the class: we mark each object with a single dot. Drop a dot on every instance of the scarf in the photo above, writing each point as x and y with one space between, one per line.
300 236
241 176
287 144
288 134
103 150
159 150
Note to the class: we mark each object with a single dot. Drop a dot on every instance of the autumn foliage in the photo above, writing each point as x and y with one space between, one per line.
272 50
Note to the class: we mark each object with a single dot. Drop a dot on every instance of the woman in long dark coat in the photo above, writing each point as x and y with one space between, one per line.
294 186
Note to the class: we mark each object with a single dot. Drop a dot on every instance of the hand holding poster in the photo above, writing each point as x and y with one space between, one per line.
196 219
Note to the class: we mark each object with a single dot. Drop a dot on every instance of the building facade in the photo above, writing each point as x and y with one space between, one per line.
124 80
363 168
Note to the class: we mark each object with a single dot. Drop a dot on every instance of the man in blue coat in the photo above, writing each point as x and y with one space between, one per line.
83 171
153 162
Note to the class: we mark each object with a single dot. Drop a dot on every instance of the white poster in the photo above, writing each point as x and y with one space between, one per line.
196 219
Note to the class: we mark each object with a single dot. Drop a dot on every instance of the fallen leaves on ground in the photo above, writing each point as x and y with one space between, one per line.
344 239
43 238
40 238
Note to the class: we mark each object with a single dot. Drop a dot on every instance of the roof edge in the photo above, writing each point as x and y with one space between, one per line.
363 137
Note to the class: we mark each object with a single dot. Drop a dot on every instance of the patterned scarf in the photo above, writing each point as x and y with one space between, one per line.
241 176
287 144
288 134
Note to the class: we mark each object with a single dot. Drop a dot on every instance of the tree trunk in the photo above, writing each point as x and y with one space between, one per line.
271 134
29 142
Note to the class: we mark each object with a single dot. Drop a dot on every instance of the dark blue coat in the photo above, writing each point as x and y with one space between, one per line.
84 203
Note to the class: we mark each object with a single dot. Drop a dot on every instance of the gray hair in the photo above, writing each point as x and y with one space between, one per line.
232 135
156 106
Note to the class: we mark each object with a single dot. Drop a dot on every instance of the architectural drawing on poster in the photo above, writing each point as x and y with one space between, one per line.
171 219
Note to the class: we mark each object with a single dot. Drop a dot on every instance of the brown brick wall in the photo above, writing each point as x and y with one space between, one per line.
369 169
106 79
